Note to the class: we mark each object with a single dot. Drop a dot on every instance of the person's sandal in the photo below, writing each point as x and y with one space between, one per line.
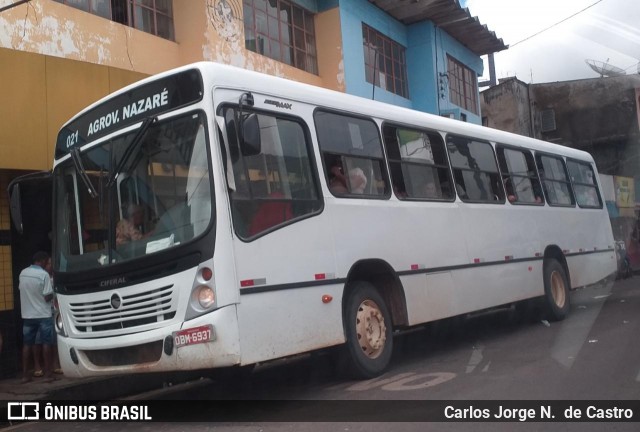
58 371
38 374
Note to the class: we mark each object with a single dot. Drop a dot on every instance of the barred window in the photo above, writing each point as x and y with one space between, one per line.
282 31
151 16
463 85
384 62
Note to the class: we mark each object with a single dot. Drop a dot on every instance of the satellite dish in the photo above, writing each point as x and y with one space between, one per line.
605 69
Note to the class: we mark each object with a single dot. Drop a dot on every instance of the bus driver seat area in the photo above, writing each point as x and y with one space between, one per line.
271 212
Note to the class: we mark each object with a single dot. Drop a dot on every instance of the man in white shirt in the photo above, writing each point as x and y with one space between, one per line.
35 294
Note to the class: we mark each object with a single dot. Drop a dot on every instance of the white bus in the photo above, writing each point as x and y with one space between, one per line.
212 216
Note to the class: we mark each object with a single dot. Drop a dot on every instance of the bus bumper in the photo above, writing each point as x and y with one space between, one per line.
154 350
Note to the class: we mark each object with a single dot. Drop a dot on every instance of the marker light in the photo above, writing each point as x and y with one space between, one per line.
60 324
206 296
206 273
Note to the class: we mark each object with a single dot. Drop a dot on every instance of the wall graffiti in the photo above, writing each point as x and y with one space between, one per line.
226 17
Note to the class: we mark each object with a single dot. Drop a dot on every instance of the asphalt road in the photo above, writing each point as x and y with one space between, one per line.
592 355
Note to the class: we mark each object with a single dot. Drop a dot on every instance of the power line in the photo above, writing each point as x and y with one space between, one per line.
12 5
553 25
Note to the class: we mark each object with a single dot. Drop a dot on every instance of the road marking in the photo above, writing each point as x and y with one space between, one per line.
428 380
475 359
405 381
378 382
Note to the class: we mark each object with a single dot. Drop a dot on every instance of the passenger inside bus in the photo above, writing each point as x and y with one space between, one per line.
430 190
128 228
357 180
508 187
337 179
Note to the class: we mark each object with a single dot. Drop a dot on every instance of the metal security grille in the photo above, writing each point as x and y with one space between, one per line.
136 310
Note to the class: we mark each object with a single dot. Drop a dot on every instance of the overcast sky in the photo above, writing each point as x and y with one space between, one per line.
609 30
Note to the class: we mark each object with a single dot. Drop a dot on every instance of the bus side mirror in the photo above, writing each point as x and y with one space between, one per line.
251 144
15 206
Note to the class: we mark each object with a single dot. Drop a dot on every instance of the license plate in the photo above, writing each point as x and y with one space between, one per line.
194 335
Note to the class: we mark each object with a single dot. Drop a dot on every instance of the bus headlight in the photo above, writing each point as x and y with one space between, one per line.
206 296
203 298
60 324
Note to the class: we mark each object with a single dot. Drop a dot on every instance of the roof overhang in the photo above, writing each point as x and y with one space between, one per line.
450 17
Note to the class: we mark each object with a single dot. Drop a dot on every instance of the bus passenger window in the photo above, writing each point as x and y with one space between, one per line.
519 176
555 180
352 154
419 168
475 170
584 184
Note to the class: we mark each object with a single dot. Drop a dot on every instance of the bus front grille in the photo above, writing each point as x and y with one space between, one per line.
134 310
131 355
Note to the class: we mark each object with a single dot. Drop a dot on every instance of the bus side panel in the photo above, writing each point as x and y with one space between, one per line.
591 268
501 232
285 319
281 323
578 232
429 297
488 286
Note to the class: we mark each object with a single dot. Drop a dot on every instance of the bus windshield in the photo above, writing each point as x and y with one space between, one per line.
159 199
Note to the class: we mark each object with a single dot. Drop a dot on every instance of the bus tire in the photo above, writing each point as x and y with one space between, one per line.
368 330
557 300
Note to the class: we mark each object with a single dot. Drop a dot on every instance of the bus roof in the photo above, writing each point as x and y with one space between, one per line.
221 75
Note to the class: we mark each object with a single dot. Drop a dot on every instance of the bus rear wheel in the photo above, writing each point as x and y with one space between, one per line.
556 291
368 330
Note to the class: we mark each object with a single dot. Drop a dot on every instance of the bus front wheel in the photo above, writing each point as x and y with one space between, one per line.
368 330
556 291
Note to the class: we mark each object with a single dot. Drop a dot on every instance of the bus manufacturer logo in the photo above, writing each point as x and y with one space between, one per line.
113 282
116 301
278 104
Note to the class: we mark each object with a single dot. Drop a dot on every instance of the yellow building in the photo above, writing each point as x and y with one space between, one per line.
58 56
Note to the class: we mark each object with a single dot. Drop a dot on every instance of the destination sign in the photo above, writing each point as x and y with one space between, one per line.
154 98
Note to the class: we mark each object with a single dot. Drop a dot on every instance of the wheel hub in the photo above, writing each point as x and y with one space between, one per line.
558 289
371 329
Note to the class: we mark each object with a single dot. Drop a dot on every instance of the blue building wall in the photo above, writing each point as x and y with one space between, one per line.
426 53
352 14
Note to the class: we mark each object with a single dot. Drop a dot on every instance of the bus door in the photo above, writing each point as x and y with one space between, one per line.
283 250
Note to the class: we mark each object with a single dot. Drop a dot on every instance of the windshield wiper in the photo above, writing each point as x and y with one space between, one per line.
133 145
77 162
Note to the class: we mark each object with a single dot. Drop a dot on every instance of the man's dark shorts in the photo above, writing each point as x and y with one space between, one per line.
31 327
